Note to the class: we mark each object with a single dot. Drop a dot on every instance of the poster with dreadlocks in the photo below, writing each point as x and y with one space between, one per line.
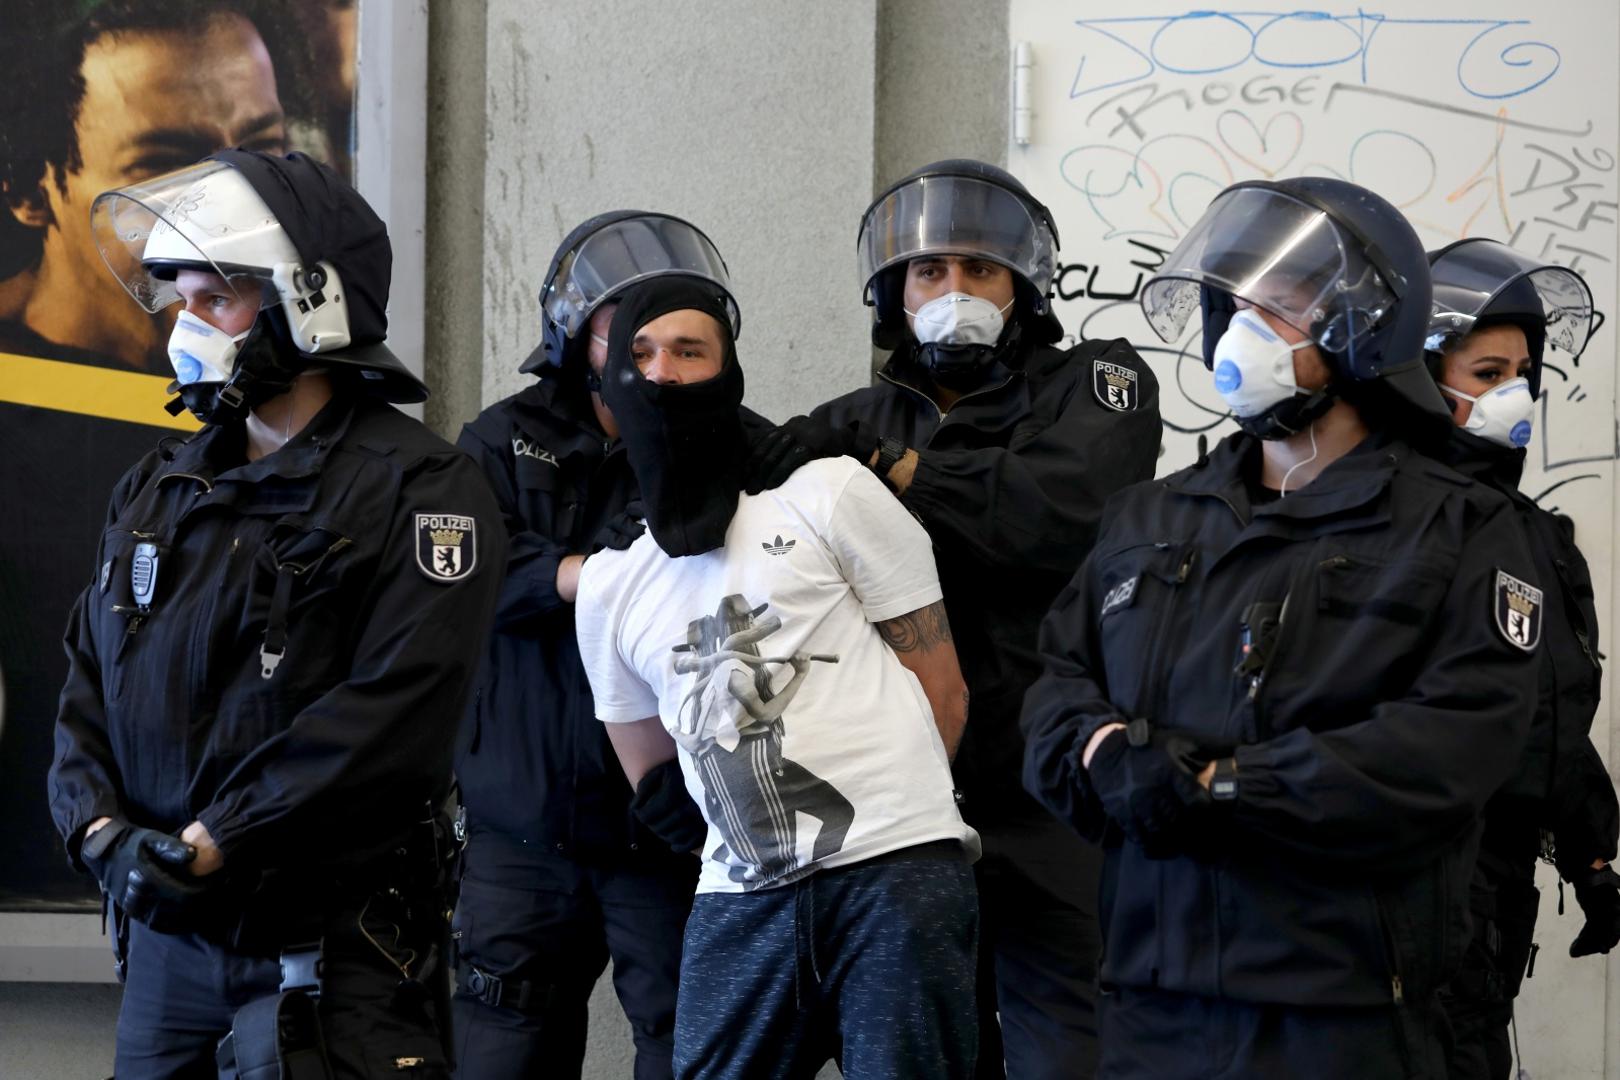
99 94
731 724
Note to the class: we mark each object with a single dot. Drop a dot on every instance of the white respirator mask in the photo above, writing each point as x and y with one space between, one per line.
958 319
1501 414
202 353
1254 366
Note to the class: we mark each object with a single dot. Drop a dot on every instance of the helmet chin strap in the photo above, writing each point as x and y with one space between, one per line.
593 378
1292 416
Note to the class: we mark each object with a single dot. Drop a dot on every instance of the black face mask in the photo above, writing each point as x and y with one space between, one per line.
260 372
963 367
955 367
685 442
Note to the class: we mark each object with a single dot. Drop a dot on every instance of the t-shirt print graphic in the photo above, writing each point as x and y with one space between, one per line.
731 723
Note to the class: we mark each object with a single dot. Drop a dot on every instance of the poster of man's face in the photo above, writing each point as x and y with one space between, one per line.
113 92
96 95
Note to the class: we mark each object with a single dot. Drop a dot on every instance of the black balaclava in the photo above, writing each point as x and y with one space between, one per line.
685 442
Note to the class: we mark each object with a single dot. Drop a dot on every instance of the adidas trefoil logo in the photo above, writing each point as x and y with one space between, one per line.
779 546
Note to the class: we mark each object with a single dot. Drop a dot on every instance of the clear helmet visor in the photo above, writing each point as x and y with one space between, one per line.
1277 253
625 252
205 217
957 215
1482 277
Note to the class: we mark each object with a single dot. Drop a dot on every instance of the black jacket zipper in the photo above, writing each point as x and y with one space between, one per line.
1151 673
1583 634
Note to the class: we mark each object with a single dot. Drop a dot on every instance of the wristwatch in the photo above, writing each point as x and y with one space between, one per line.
890 451
1223 783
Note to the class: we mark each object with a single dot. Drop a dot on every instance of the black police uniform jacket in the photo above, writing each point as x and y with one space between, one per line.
534 763
1389 705
1010 484
292 668
1560 784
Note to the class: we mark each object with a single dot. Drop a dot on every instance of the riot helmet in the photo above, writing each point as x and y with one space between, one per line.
607 254
1331 259
1482 286
286 235
966 208
1481 282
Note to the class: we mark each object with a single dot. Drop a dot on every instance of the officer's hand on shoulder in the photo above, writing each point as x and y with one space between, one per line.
620 531
777 454
1599 897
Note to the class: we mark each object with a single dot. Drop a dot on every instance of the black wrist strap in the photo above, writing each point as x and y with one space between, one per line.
890 451
97 843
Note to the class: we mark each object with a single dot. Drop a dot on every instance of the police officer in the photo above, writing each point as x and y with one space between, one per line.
1005 447
562 871
1496 311
1288 677
267 668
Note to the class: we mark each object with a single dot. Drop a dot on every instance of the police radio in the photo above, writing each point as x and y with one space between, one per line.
143 575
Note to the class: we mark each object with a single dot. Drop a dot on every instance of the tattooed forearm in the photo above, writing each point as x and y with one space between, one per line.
921 629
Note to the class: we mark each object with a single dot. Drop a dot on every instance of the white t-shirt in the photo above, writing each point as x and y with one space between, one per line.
801 735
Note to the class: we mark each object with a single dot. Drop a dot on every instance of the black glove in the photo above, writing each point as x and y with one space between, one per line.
144 872
1147 782
776 455
662 804
620 531
1599 896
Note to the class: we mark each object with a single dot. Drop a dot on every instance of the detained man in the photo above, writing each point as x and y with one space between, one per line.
790 649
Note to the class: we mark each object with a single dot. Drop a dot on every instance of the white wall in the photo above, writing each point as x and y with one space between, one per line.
753 121
771 125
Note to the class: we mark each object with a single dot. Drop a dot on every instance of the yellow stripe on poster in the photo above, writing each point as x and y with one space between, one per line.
90 391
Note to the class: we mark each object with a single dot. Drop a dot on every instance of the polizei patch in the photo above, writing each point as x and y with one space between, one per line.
446 546
1518 611
1114 385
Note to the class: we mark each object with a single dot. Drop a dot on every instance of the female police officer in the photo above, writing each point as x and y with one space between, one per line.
1288 677
1495 312
267 669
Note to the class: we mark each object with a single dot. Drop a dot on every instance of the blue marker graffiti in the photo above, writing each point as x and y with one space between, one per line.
1491 63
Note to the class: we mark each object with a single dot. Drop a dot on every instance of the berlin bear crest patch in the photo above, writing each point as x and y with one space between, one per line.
1114 384
1518 610
446 546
